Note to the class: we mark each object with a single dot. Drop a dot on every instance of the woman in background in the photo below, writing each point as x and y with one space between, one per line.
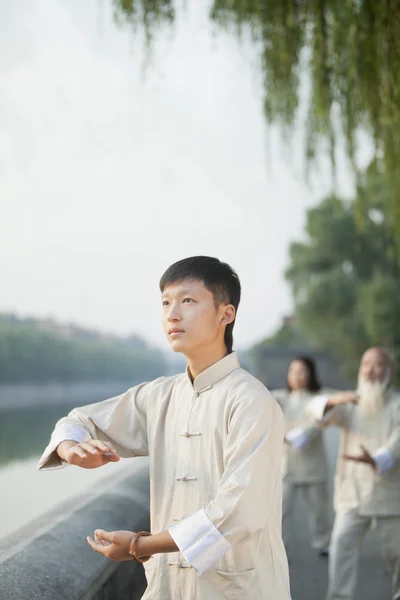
305 466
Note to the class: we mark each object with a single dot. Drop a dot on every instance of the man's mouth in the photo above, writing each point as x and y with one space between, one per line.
175 332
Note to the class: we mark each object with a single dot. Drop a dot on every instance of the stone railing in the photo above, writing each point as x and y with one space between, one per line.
50 558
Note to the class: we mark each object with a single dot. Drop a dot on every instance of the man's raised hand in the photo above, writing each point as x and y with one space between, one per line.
88 455
364 457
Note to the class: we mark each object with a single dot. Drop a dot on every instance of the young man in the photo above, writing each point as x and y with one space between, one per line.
367 482
214 437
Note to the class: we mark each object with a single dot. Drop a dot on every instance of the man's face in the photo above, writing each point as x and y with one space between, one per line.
190 318
374 366
373 378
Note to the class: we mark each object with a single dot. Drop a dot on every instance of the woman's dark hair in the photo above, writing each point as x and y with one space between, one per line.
218 277
313 384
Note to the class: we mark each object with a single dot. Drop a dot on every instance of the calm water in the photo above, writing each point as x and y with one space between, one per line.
25 492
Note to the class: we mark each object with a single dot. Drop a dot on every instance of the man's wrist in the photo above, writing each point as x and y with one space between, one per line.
156 544
140 547
63 448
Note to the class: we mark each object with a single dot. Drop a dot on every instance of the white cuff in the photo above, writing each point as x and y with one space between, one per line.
297 438
384 460
199 541
49 459
316 407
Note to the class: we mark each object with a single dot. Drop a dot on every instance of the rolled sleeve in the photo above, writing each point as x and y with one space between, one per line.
199 541
317 407
49 459
297 438
384 460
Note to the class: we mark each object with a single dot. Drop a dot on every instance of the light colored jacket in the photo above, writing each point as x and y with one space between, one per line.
305 462
215 451
358 486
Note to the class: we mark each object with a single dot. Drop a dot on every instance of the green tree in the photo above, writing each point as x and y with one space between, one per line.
346 280
33 355
348 51
286 336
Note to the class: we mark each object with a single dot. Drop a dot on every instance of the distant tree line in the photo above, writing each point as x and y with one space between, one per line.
35 353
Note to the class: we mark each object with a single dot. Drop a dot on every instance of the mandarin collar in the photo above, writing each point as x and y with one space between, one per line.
206 379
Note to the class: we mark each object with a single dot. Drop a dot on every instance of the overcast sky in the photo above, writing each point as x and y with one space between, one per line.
109 173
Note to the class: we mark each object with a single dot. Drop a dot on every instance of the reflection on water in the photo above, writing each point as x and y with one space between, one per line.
25 492
25 432
28 414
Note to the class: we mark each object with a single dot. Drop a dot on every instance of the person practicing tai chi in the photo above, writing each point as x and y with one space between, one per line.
367 481
214 436
305 466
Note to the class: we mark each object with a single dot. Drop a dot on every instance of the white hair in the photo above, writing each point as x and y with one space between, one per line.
372 394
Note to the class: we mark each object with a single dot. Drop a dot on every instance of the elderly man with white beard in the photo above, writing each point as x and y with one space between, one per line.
367 480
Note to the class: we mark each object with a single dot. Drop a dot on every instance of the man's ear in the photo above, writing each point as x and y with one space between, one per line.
229 314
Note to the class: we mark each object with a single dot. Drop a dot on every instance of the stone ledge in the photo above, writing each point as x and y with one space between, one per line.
51 560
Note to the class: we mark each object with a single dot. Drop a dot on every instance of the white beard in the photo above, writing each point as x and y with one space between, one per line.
372 396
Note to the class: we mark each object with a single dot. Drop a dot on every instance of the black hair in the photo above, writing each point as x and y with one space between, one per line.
313 384
218 277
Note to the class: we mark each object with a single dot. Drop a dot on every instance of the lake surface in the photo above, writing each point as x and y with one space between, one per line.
26 492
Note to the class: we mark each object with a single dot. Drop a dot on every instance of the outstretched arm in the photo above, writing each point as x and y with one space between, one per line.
332 409
91 436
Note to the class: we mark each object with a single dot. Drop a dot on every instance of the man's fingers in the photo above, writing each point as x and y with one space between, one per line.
103 446
349 457
107 536
98 445
111 448
101 541
89 448
79 451
365 458
96 546
112 457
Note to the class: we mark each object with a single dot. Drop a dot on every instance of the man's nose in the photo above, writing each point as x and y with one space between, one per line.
369 373
173 314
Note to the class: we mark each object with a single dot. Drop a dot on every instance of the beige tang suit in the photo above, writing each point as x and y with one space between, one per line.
305 467
364 498
215 450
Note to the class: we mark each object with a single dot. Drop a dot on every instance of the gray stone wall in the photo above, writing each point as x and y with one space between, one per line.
51 560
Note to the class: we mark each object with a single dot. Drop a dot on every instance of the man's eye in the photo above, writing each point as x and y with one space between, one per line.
187 300
165 303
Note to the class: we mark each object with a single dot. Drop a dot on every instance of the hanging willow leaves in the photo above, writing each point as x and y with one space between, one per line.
148 14
348 51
